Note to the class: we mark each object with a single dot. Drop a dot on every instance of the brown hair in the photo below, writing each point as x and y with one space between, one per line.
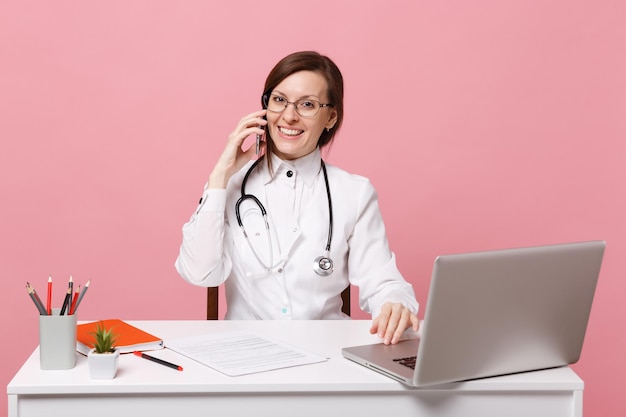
311 61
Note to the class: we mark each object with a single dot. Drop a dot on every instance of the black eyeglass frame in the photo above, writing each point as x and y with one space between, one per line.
266 97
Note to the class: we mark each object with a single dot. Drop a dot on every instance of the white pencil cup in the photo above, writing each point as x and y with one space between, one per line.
57 341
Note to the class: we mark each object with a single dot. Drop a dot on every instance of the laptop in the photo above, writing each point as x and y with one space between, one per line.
495 313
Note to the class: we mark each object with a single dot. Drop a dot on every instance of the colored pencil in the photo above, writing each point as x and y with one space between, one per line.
70 284
49 300
82 294
33 295
157 360
74 300
66 301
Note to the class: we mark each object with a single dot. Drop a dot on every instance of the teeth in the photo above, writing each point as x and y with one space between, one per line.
290 132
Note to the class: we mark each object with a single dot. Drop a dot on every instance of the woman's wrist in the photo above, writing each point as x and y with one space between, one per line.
217 179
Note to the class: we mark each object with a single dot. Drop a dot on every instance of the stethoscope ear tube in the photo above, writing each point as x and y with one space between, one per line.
243 198
322 265
330 215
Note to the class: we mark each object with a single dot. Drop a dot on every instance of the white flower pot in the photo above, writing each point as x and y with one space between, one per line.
103 365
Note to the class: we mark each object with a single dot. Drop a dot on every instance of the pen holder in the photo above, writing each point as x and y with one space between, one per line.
57 341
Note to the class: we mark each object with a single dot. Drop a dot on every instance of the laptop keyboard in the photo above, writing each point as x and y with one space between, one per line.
409 361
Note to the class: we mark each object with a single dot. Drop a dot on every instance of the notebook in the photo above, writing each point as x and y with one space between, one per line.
129 337
495 313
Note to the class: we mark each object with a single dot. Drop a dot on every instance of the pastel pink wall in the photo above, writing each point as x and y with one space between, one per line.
483 124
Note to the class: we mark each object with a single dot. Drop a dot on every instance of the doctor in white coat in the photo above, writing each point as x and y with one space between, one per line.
285 232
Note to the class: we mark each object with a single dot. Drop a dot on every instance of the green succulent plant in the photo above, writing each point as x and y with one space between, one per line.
104 339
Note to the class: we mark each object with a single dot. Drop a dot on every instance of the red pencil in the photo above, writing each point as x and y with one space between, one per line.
74 300
49 301
82 294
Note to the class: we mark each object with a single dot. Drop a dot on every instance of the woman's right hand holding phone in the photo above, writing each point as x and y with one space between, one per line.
234 157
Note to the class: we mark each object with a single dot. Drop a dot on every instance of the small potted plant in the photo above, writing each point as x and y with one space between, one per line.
103 358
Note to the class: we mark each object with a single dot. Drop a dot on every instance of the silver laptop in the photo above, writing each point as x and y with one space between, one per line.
495 313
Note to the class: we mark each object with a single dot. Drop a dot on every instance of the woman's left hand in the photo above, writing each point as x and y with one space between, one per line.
393 320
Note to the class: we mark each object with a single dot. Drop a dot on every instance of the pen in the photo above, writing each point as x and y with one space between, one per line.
36 300
157 360
49 300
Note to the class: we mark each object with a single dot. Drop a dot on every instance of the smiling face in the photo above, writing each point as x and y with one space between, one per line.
295 136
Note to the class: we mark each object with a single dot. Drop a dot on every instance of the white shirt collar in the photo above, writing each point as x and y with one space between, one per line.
306 168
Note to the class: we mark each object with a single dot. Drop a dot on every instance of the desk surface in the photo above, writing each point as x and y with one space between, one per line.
323 337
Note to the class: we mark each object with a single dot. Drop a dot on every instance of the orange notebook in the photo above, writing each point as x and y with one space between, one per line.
129 338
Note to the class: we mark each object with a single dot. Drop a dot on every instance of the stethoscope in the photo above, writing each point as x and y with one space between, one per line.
322 265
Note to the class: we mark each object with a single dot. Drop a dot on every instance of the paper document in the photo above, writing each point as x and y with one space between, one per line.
240 353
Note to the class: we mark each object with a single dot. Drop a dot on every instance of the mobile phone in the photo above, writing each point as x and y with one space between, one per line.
258 140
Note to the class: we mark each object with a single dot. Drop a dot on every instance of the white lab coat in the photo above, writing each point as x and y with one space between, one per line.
215 251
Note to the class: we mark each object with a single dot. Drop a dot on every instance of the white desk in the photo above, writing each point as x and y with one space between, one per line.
332 388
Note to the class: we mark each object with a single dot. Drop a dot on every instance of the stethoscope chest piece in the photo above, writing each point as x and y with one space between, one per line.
323 266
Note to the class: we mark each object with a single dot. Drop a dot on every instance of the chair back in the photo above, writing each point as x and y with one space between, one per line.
213 302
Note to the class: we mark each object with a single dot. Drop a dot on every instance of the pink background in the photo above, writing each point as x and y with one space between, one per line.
483 124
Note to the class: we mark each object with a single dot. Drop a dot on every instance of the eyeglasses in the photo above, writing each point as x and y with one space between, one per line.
304 107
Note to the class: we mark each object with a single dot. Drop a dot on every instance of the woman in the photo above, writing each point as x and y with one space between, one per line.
322 228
